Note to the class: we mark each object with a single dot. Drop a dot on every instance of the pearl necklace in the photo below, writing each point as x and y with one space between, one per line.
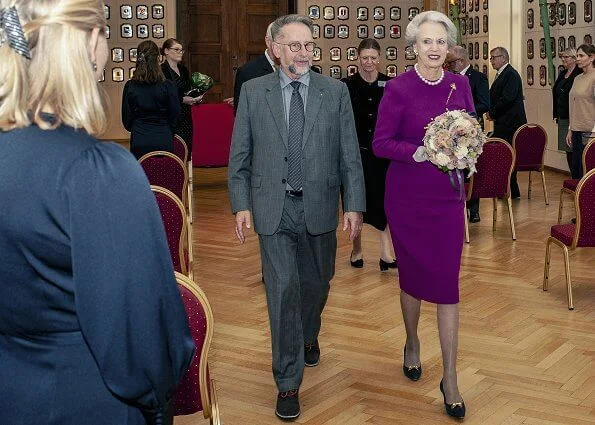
425 80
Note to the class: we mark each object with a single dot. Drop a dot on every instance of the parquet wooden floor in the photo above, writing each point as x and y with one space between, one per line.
523 357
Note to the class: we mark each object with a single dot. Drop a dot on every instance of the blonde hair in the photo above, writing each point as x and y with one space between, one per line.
59 77
571 51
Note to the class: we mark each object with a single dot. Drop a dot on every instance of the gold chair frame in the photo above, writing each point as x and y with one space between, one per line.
565 248
208 393
541 170
190 176
185 236
564 190
507 197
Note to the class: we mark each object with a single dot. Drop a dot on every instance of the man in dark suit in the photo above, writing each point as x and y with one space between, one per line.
262 65
457 60
507 107
294 145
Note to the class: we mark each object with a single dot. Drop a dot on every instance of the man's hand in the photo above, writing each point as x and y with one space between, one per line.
228 100
354 221
569 139
242 218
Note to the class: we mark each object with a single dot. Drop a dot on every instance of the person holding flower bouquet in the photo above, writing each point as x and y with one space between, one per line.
424 199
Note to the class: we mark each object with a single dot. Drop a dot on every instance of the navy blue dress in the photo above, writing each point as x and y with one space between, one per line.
92 327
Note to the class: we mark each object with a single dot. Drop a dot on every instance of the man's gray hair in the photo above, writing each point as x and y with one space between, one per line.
412 30
280 22
502 51
461 52
268 33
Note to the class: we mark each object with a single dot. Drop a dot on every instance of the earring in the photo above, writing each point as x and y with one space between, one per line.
94 66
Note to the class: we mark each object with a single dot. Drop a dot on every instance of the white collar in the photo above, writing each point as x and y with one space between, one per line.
272 62
464 71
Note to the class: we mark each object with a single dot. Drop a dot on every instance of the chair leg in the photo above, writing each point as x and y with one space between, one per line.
509 202
215 418
547 202
560 206
190 190
568 282
494 202
546 268
466 224
529 187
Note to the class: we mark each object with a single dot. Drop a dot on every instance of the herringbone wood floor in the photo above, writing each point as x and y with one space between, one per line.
523 357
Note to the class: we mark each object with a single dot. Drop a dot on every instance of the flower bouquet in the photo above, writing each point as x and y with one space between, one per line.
200 84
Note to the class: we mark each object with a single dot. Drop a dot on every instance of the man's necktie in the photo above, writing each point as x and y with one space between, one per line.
296 132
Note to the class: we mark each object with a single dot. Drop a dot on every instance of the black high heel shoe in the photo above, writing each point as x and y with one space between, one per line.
456 410
358 264
411 372
384 266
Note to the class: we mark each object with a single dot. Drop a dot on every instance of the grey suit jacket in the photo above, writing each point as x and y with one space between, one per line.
258 157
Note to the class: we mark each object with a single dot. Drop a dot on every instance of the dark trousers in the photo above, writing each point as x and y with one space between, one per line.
473 206
297 268
579 140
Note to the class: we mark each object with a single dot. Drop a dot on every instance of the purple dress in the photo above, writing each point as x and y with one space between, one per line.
424 212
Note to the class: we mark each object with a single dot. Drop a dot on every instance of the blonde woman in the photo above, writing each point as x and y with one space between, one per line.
92 328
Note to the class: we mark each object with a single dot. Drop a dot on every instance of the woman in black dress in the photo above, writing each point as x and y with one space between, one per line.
150 107
174 70
366 89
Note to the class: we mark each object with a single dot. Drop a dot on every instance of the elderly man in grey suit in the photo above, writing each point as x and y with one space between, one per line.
294 144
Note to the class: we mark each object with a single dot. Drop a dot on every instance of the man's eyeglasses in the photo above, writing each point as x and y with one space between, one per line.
296 46
177 50
453 61
495 56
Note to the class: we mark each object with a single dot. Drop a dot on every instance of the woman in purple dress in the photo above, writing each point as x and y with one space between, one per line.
425 213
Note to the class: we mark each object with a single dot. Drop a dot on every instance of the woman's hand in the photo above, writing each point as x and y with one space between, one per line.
187 100
198 99
569 139
420 154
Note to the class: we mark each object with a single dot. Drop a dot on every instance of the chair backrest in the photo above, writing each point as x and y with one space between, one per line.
192 394
213 126
166 170
529 143
180 148
589 156
584 234
494 166
174 219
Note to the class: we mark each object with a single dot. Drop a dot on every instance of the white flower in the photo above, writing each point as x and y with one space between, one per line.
442 159
461 152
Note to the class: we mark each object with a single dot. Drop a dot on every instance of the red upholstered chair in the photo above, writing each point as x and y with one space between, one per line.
212 127
529 143
569 185
196 391
176 228
492 179
181 151
571 236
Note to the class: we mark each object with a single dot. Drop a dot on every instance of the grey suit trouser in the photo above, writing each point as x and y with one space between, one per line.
297 268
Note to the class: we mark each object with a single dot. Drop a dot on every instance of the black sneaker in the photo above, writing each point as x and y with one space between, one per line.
312 354
288 405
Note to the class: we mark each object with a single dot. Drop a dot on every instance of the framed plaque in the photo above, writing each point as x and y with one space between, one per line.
335 72
477 50
476 67
470 28
476 24
530 49
572 13
561 44
379 13
409 53
463 24
408 68
485 50
551 14
329 31
157 11
379 31
395 31
463 5
562 13
316 54
362 13
126 31
314 12
391 71
315 31
107 32
125 12
329 12
117 54
477 5
317 68
553 46
335 54
542 48
343 13
343 31
106 10
485 4
413 11
485 24
351 53
142 12
530 18
132 54
395 13
588 39
362 31
158 31
142 31
470 50
351 70
588 10
118 74
131 72
571 42
470 7
485 70
391 53
542 75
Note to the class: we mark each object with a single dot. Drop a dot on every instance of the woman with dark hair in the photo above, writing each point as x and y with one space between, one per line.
150 107
582 107
366 88
174 70
561 90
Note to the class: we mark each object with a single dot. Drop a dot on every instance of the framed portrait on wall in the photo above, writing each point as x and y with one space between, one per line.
158 31
362 13
485 4
485 50
470 28
409 53
476 50
106 10
328 12
470 50
126 31
395 31
351 53
571 42
126 11
542 75
335 54
530 18
562 13
335 72
391 53
476 24
530 75
142 12
315 31
588 10
157 11
316 54
572 13
142 31
463 24
329 31
530 49
131 72
553 46
378 13
351 70
314 12
132 54
561 44
317 68
343 13
413 11
395 13
588 39
463 5
476 67
107 31
117 54
379 31
362 31
485 24
477 5
343 31
484 69
542 48
391 71
118 74
551 14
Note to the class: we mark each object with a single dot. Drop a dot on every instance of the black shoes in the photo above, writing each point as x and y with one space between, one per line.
474 217
358 264
411 372
456 410
312 354
384 266
288 405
